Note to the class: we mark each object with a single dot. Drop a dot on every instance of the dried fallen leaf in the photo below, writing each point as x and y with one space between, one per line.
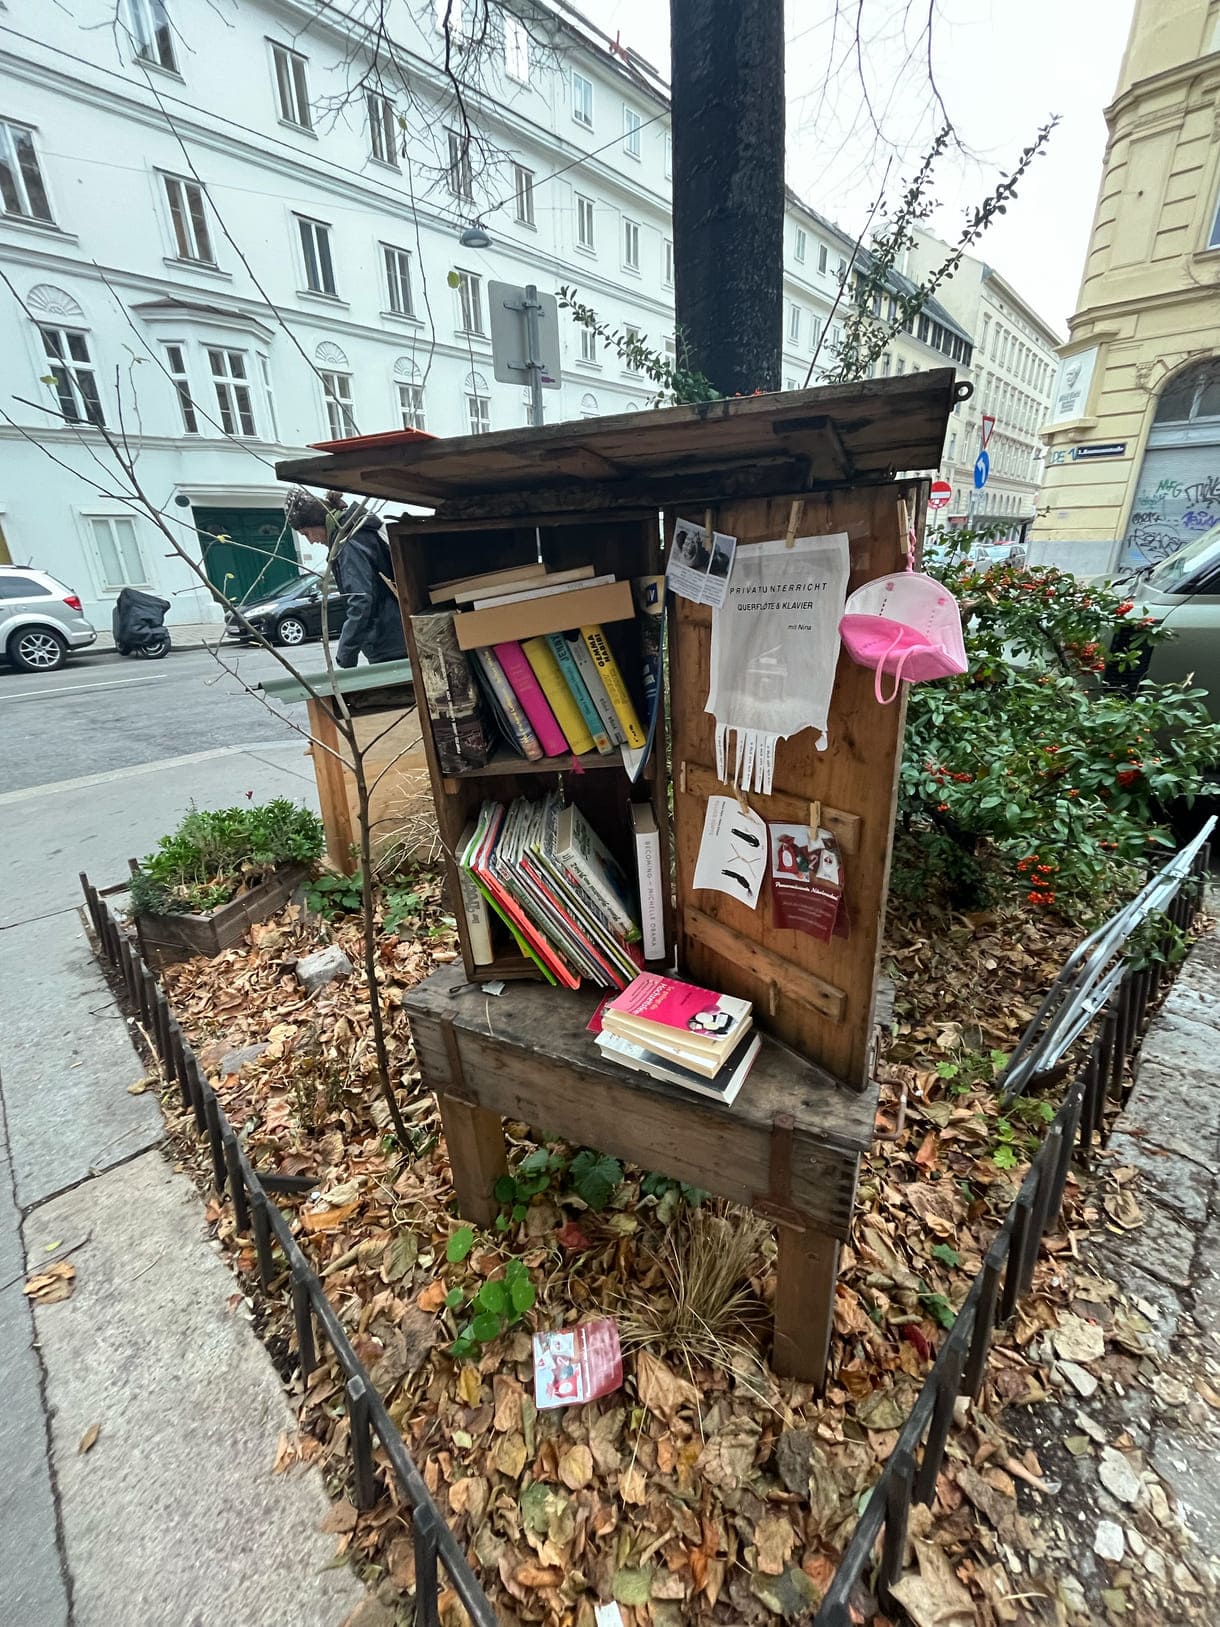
340 1518
89 1438
468 1385
774 1539
576 1467
661 1389
56 1283
433 1296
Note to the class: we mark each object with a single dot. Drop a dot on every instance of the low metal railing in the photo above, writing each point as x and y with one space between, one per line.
1089 986
436 1548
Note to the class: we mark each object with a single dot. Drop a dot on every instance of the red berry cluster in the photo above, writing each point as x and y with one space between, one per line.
1042 889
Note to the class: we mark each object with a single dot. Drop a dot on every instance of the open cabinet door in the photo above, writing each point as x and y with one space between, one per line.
817 997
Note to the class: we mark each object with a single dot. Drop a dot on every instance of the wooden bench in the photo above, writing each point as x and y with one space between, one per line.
789 1147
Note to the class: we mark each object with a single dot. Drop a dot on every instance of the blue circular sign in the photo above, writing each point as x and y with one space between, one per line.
982 468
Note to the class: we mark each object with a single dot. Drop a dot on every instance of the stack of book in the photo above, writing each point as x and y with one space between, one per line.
534 642
540 867
682 1034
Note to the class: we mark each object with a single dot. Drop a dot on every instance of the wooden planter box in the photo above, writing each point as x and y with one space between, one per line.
167 938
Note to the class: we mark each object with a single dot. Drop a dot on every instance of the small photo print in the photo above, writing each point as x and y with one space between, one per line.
699 564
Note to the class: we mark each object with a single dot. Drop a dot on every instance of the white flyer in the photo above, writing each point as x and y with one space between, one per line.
733 854
695 570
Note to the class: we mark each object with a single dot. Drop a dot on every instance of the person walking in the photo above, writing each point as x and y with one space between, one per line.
361 567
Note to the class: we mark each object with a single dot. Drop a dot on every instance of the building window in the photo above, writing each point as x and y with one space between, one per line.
584 223
470 302
398 280
836 339
669 156
589 407
478 413
450 18
631 132
516 50
337 393
794 324
527 405
631 361
264 373
460 174
822 257
411 406
72 375
118 551
188 217
523 188
21 188
842 272
154 38
667 263
582 100
588 346
291 87
923 327
1213 237
383 129
232 391
901 367
175 365
802 244
315 246
631 245
885 365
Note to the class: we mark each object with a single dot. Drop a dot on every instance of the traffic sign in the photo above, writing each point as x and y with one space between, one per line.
988 426
982 468
939 494
513 362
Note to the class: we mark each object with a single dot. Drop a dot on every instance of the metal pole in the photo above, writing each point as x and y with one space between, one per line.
533 348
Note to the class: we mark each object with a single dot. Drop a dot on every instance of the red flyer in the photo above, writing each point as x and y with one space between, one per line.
807 882
576 1364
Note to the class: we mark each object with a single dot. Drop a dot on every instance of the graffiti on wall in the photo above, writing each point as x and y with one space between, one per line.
1169 513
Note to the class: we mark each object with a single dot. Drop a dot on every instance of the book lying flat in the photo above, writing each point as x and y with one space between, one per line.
487 582
541 579
697 1026
721 1087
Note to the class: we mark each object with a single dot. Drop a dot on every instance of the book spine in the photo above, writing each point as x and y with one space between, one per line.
454 703
597 690
562 702
493 673
570 672
582 869
607 666
508 906
478 921
648 869
533 702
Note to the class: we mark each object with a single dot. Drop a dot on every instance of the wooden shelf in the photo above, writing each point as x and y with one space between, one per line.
505 764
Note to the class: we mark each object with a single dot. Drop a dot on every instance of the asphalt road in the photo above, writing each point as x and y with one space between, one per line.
102 712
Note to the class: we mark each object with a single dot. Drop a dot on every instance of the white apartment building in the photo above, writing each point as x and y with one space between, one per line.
225 247
1015 363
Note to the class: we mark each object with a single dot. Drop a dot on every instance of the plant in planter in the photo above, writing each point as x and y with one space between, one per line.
219 871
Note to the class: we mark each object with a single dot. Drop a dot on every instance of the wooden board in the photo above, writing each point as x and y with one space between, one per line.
818 997
527 1055
836 434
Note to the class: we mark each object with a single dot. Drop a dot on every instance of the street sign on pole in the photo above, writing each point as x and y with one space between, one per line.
524 338
982 468
939 493
988 426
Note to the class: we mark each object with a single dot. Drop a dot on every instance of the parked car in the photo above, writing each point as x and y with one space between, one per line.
291 615
1182 592
41 621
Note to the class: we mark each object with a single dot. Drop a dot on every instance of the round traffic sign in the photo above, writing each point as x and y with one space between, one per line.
982 468
939 494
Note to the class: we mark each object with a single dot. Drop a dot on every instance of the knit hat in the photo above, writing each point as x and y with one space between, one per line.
303 510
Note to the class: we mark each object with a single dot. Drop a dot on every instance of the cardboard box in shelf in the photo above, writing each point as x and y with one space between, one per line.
534 618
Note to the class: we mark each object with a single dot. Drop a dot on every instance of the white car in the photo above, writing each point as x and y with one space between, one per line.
41 621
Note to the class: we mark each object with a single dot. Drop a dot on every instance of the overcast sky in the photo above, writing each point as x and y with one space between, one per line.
1002 66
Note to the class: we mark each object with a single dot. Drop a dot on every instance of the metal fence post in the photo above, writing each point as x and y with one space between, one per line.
423 1538
237 1180
365 1484
302 1316
262 1237
942 1419
897 1511
984 1318
211 1113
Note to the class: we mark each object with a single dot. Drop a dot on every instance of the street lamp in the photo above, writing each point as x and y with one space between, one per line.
474 237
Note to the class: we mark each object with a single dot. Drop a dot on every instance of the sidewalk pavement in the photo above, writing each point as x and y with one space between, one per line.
183 633
1132 1533
174 1516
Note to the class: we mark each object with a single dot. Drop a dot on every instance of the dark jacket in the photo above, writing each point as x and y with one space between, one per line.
372 623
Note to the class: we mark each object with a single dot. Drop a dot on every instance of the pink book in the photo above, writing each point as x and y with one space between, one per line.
699 1015
533 702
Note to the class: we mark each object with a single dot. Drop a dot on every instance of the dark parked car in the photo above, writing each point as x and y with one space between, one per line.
291 615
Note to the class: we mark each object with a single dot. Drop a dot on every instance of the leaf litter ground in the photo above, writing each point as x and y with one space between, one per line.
705 1490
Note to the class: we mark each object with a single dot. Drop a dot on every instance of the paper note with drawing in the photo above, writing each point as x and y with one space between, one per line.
733 852
775 646
698 568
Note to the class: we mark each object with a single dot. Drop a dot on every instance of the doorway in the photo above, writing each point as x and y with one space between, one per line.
248 553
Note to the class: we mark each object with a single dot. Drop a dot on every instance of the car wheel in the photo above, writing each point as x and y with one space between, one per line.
37 649
291 630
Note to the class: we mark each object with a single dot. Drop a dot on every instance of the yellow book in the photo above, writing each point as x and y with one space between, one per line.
554 686
607 666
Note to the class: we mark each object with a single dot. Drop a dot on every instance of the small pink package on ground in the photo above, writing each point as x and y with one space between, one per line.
576 1364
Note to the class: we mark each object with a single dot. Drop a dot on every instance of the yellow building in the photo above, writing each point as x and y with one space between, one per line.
1133 460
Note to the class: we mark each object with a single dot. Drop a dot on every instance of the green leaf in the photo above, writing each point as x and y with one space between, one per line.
1004 1158
595 1177
486 1327
505 1189
502 1223
522 1295
520 1210
493 1297
946 1255
454 1298
939 1308
459 1245
537 1162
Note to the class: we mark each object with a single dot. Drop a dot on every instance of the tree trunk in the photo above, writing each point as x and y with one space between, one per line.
728 189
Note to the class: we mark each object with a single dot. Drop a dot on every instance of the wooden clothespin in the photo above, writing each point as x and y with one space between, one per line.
815 819
794 519
707 528
904 528
741 799
772 999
